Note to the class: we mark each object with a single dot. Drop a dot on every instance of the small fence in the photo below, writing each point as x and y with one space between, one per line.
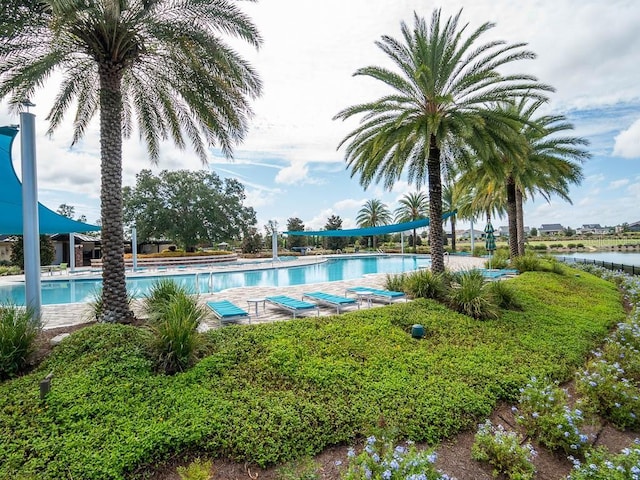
630 269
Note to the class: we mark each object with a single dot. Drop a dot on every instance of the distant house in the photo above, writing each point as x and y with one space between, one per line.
503 231
550 229
593 228
634 227
477 234
87 248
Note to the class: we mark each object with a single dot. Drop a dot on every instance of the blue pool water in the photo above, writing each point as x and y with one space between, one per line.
83 290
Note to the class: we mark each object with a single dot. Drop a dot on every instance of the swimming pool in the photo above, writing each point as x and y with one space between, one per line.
77 290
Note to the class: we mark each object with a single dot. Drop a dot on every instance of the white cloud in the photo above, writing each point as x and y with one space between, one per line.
616 184
349 204
294 173
627 142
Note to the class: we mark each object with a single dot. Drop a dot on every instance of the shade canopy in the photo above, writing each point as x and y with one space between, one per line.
364 232
50 222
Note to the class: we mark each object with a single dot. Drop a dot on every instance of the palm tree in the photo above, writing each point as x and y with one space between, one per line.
373 214
546 164
159 62
413 206
458 200
439 99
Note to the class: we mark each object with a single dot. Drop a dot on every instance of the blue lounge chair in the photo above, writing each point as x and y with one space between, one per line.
496 273
292 305
331 300
225 311
387 296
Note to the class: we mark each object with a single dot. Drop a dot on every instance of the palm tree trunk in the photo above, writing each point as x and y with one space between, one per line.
452 219
435 207
520 221
511 216
415 241
114 289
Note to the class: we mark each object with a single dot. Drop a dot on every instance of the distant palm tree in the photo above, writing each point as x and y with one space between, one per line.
440 98
456 200
373 214
413 206
160 62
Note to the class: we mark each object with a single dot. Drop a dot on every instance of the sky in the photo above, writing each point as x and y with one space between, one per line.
289 162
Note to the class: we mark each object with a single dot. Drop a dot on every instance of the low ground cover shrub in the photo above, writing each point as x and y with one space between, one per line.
504 450
9 270
275 392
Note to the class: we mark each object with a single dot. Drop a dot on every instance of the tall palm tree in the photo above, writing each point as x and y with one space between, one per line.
160 62
439 98
373 214
413 206
547 164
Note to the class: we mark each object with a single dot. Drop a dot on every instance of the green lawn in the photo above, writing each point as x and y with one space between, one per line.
270 393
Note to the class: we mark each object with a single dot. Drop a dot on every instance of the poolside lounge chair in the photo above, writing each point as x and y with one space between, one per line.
497 273
331 300
291 304
225 311
387 296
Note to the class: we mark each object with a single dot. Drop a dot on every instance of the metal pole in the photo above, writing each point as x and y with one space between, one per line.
472 239
72 252
30 226
134 248
402 242
274 245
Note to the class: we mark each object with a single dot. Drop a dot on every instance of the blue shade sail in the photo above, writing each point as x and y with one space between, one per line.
363 232
50 222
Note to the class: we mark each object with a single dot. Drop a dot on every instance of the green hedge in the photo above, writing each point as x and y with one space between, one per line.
273 392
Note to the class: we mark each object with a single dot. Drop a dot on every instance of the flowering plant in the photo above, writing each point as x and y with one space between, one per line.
600 464
503 450
544 414
381 460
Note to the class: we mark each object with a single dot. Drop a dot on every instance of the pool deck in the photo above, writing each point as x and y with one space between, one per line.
55 316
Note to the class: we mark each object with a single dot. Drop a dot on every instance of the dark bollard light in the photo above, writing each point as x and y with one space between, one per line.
417 331
45 386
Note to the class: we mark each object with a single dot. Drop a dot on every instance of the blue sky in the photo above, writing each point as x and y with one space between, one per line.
289 162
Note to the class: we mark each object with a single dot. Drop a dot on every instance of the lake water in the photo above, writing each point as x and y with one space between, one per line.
84 290
624 258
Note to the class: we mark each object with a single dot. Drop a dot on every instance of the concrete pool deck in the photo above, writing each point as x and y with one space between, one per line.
64 315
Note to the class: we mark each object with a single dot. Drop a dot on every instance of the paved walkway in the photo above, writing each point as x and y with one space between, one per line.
55 316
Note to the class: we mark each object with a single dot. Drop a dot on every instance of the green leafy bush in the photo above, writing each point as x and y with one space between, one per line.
9 270
159 296
471 297
504 295
303 469
544 413
504 450
196 470
529 262
395 283
380 459
175 330
426 284
500 259
19 329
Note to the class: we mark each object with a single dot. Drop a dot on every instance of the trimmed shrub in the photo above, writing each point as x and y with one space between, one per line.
196 470
470 297
18 331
